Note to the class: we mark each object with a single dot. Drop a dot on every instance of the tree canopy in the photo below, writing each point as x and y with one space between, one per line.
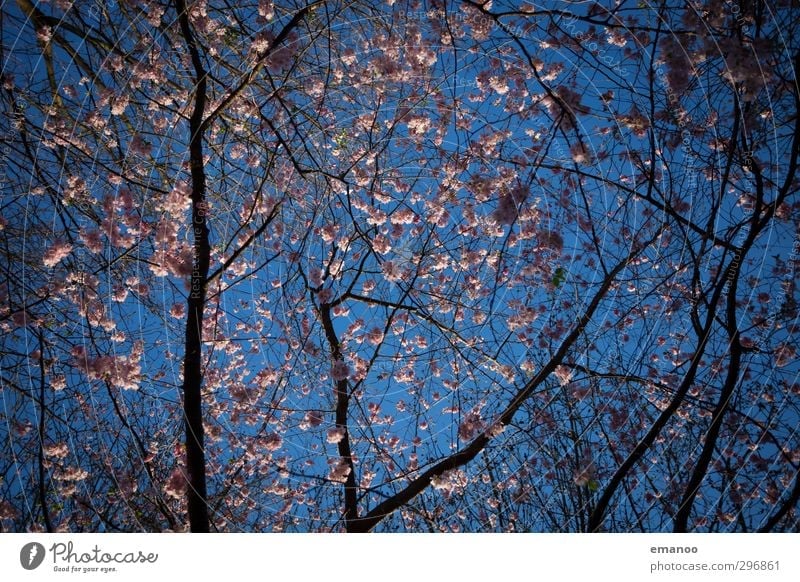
441 265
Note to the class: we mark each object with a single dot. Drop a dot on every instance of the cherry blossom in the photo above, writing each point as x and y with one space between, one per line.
340 371
335 435
56 253
397 266
175 485
339 470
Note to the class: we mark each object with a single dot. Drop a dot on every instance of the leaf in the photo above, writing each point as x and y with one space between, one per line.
231 37
559 277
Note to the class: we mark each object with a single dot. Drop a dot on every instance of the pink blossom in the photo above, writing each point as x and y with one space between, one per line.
55 253
551 240
418 125
44 34
261 42
315 277
238 151
272 442
564 374
340 371
566 107
324 296
616 37
376 216
127 485
120 104
349 57
747 342
580 155
584 474
635 121
507 209
339 470
177 201
57 450
175 486
139 146
582 391
678 65
20 318
403 216
166 232
266 10
121 371
119 293
282 56
499 85
154 13
178 310
267 377
495 429
481 187
784 355
7 510
381 244
391 271
375 336
92 240
471 424
70 474
328 233
335 435
312 418
450 481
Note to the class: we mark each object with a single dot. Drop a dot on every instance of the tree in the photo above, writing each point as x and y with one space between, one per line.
412 266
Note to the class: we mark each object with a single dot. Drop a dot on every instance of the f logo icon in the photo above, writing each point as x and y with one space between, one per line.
31 555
